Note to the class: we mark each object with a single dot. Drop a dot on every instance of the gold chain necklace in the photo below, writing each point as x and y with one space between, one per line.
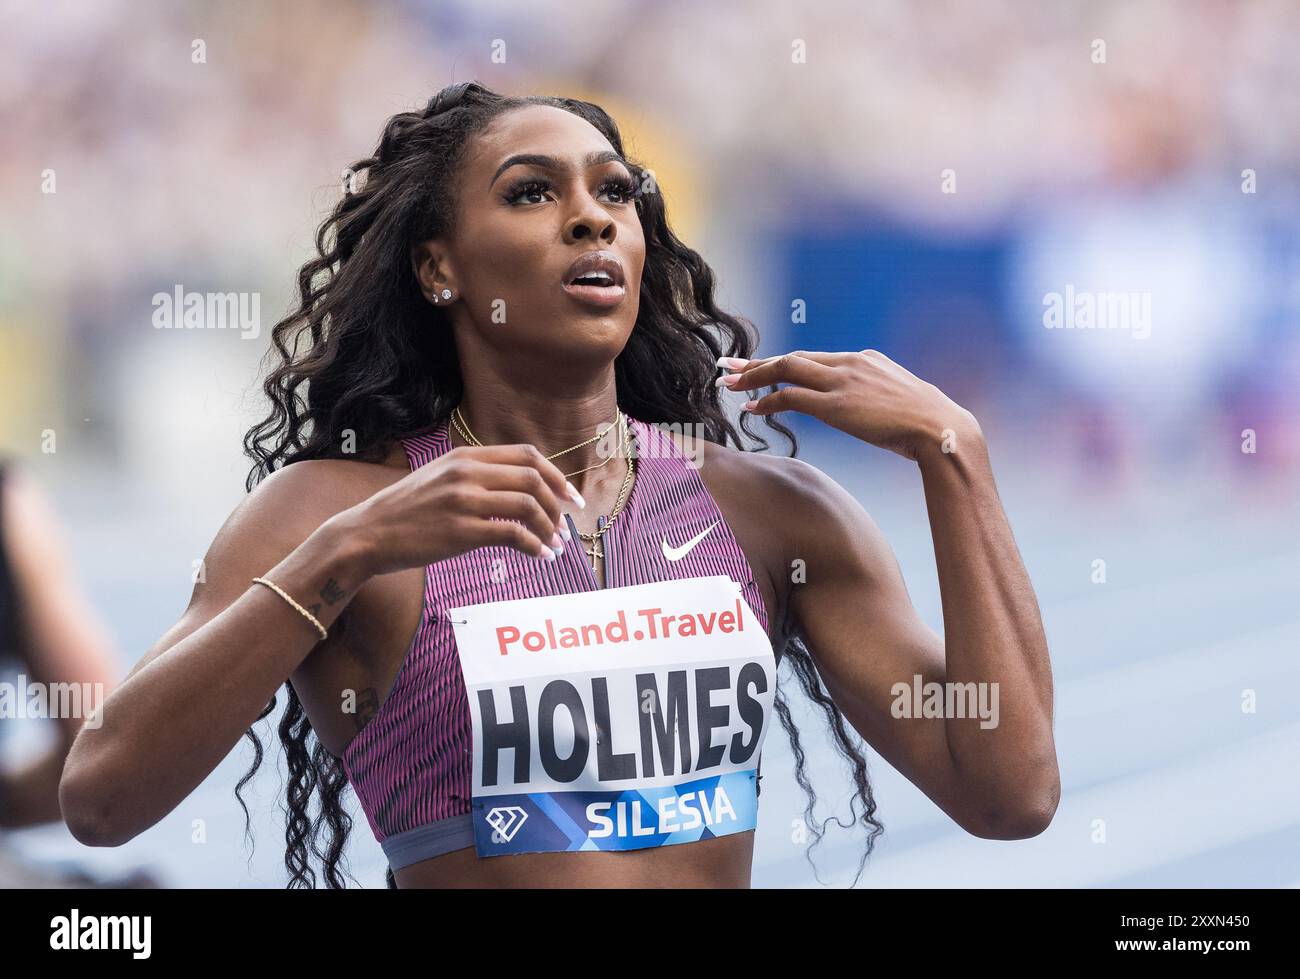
462 427
595 552
603 526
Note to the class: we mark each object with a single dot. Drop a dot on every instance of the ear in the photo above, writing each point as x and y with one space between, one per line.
431 267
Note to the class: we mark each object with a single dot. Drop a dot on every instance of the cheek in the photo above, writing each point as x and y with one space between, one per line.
507 259
634 247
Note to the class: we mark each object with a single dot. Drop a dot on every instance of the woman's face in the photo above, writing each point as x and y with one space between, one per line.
521 223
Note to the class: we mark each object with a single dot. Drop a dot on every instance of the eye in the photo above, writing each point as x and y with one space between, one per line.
624 187
527 188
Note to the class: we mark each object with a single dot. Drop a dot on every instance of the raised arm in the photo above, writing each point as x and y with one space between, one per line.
870 645
188 701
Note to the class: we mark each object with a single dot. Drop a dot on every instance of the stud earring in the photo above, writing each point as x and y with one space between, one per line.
446 294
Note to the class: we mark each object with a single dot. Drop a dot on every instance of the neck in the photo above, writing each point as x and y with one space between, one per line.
551 424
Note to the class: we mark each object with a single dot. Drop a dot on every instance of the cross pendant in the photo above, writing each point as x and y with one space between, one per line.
596 550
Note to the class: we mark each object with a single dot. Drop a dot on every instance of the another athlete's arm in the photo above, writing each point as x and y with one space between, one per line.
66 640
870 645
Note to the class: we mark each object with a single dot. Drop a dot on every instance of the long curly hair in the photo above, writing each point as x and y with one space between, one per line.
372 368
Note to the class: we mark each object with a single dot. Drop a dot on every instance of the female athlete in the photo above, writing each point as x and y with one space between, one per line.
531 623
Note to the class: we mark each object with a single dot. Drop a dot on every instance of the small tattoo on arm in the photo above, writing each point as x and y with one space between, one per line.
331 592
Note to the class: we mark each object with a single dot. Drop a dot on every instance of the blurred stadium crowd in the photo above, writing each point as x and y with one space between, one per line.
814 174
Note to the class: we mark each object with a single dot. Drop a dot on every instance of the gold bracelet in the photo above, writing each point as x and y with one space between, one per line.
280 591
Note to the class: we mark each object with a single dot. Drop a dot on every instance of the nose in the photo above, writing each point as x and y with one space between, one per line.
589 219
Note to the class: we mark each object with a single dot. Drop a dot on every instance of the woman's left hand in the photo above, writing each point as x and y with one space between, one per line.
864 394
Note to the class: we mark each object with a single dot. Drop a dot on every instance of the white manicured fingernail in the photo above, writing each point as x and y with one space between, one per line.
732 362
575 495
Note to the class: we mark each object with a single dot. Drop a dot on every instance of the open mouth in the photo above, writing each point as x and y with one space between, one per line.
603 294
596 279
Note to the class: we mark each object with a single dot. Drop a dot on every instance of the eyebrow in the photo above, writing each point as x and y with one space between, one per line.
593 159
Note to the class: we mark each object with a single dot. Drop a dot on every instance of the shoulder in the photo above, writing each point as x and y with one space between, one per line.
316 484
784 481
799 517
327 480
786 499
760 475
288 505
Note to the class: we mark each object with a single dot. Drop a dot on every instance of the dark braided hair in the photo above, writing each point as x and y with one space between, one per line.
372 368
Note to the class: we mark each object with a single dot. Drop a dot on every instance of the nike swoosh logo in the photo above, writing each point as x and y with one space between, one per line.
677 553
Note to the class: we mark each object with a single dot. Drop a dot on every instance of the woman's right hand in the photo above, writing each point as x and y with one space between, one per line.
445 508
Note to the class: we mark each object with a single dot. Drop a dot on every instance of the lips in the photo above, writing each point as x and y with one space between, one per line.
596 279
594 263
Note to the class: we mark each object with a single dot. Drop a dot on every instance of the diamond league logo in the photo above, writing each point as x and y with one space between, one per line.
505 822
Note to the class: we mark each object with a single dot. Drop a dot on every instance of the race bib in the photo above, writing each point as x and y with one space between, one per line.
615 719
